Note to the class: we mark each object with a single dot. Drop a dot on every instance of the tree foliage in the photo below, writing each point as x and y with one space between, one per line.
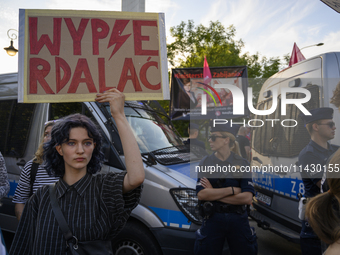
191 43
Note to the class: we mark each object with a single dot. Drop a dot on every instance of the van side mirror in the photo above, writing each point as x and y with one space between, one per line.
21 163
257 159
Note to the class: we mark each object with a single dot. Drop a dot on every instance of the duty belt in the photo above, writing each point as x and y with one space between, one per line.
227 208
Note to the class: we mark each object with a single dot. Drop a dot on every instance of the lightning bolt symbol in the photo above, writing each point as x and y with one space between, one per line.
116 37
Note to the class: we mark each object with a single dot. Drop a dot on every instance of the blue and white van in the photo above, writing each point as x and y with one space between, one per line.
275 206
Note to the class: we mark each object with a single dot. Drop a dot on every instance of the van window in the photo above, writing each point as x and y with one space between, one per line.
14 127
59 110
284 141
146 126
260 144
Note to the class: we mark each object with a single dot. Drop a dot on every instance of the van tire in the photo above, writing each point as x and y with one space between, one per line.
135 239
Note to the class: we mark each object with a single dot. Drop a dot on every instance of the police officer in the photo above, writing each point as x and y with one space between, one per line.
193 134
223 198
312 160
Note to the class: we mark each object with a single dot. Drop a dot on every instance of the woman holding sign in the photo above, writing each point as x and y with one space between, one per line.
94 207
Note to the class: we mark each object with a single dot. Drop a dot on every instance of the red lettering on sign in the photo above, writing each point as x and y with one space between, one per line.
82 68
101 73
124 77
76 35
138 38
36 45
61 82
142 75
38 75
100 30
116 37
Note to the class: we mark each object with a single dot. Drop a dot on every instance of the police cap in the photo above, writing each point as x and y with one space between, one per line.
193 126
317 114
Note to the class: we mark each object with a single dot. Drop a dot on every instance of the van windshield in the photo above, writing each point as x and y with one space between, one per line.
150 130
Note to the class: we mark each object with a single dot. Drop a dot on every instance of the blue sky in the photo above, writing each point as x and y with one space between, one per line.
266 26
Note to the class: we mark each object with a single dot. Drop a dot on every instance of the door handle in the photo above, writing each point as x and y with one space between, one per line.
21 162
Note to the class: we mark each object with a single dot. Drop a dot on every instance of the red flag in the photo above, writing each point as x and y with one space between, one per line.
206 72
296 56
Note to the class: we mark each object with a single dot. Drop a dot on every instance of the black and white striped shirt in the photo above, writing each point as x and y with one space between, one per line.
94 208
22 192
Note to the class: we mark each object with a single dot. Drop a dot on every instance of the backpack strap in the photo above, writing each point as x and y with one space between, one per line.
34 170
59 215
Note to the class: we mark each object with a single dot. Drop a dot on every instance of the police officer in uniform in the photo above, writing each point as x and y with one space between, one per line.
223 197
193 134
312 160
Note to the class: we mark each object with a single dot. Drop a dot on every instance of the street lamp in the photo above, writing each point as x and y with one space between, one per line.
13 36
319 44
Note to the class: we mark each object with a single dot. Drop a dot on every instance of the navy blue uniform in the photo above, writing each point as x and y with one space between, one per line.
312 156
232 226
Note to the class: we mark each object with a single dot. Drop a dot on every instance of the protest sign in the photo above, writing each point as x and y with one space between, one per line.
188 89
70 56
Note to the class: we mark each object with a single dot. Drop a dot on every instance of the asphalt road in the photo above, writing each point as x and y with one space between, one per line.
268 242
272 244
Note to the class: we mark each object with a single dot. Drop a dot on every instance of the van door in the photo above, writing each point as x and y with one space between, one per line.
16 146
277 187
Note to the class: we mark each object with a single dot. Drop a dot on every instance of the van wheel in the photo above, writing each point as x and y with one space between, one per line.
135 239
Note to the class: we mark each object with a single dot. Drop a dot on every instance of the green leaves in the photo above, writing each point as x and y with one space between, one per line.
192 43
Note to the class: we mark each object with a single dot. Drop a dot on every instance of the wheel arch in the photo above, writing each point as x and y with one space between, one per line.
140 244
147 217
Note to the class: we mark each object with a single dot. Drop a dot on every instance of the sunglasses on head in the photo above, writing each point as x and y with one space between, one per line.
330 124
213 137
51 122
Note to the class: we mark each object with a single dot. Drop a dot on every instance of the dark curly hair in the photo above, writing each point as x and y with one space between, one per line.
54 162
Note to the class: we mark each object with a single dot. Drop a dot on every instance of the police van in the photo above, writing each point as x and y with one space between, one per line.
166 219
275 206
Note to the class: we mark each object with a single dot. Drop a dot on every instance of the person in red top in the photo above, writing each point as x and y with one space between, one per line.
248 133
